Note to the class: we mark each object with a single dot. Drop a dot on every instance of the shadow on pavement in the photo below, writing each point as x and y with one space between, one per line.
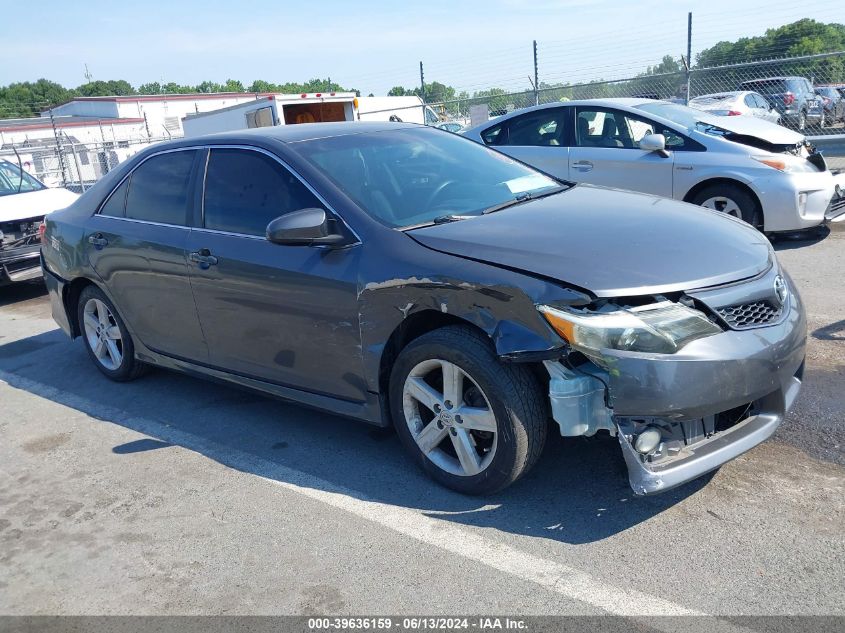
578 493
799 239
15 293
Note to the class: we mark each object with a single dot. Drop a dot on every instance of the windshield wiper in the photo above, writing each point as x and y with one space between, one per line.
525 197
444 219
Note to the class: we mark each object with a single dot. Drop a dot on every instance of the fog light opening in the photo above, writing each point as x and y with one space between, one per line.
648 440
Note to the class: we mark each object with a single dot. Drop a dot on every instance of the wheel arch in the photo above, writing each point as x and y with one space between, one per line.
730 182
414 326
70 299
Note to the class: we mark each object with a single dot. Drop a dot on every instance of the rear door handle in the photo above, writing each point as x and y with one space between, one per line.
98 241
204 258
583 165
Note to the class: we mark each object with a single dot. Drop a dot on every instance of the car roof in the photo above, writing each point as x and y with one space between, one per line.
625 102
303 131
779 78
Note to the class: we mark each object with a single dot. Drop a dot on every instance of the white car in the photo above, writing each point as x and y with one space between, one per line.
740 103
760 172
24 201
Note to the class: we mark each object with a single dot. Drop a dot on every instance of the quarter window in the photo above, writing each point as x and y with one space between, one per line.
245 190
115 206
158 190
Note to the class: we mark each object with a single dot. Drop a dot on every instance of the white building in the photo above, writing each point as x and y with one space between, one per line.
97 133
163 113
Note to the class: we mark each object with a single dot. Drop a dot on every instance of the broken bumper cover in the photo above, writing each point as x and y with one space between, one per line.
709 454
757 371
19 264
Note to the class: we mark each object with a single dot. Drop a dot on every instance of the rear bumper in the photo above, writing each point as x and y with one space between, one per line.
19 264
56 291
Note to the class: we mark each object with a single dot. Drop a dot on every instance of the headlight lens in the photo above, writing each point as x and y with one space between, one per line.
789 164
661 328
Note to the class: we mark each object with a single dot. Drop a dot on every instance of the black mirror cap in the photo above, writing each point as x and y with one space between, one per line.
304 227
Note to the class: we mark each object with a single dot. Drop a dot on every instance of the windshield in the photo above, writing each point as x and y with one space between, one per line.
13 181
412 176
682 115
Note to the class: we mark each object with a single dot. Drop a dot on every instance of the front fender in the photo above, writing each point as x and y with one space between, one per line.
500 302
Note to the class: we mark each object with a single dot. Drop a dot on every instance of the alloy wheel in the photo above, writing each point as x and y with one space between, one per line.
723 204
450 417
103 334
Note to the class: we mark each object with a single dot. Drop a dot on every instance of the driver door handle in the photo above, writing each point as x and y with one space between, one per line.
203 257
583 165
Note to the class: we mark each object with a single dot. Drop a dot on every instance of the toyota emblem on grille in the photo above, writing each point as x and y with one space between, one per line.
780 289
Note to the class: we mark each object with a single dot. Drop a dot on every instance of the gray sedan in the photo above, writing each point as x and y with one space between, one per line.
402 275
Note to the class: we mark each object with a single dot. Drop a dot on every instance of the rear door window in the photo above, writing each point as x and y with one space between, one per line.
541 128
245 190
159 188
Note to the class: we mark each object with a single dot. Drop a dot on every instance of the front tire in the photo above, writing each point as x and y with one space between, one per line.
106 338
473 423
732 200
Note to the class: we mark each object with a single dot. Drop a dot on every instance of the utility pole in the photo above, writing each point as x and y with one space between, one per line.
422 90
689 56
536 77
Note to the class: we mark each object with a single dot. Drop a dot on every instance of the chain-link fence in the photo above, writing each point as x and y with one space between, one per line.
791 92
69 164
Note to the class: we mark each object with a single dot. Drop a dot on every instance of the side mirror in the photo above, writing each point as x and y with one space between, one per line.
305 227
653 143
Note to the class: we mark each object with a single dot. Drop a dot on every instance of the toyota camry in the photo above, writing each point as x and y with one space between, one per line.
398 274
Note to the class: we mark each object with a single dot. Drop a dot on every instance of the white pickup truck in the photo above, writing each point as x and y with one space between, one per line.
24 201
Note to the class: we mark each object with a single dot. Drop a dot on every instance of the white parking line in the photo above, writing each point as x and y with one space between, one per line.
552 575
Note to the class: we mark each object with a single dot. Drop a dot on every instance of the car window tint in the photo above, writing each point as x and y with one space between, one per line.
496 135
116 204
158 190
540 128
245 190
750 101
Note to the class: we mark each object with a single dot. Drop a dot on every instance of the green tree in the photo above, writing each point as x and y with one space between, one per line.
105 88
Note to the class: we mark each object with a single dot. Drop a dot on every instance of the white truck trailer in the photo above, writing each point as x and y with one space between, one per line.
317 107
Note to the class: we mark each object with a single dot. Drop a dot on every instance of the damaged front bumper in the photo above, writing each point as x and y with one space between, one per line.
19 263
703 406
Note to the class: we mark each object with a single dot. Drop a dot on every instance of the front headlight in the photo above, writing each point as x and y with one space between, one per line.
661 328
788 164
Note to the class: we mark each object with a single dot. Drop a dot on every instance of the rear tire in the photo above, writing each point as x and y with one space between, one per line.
473 423
106 338
733 200
802 120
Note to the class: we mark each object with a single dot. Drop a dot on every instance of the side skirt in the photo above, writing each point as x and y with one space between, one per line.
369 411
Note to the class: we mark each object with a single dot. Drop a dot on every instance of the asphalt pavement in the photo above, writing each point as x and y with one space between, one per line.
172 495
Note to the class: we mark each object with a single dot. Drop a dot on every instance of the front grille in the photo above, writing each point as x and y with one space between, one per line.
748 315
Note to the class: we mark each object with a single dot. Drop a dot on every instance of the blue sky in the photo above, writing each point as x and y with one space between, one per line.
370 45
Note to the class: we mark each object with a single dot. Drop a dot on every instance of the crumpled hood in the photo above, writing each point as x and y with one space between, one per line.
31 204
752 126
609 242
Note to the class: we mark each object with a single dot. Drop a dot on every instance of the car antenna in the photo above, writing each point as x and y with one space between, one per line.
20 169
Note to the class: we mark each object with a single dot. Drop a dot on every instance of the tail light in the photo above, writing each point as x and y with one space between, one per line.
788 98
734 113
42 228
